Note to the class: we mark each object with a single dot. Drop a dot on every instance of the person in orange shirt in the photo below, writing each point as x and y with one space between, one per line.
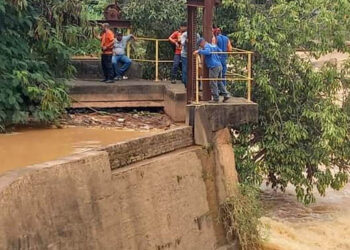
175 39
107 43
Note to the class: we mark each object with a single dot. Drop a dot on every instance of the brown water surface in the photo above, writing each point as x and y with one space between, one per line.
27 147
320 226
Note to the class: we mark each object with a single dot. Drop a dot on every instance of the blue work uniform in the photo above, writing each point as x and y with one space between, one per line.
222 43
213 62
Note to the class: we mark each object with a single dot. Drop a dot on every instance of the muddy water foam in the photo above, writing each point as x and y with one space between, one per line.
324 225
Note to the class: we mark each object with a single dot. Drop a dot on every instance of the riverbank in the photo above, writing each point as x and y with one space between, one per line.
136 120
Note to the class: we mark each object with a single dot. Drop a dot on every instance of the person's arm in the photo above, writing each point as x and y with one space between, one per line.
130 37
110 43
205 51
229 46
174 39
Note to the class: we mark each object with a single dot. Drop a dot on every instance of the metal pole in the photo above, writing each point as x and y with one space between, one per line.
249 82
128 47
197 79
191 45
208 34
157 60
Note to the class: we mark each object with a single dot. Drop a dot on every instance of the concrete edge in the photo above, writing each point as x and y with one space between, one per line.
9 177
12 176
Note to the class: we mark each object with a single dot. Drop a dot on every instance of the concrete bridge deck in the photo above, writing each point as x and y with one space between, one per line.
145 93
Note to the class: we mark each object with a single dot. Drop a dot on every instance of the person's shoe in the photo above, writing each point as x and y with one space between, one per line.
118 78
125 78
110 81
173 81
104 80
214 101
226 98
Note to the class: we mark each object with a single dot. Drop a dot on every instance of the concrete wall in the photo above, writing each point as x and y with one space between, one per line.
126 153
91 69
78 203
166 202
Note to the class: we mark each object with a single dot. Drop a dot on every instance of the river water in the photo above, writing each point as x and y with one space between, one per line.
323 225
32 146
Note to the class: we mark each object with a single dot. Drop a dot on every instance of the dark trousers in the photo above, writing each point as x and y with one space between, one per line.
184 70
176 64
106 62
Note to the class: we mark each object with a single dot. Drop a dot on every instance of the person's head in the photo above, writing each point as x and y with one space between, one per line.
218 30
183 27
119 36
105 26
201 42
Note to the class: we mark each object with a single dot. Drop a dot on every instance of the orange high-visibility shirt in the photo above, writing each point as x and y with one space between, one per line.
107 40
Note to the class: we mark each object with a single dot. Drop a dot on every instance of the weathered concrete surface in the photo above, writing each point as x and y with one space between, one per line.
123 91
175 102
165 202
227 179
131 151
130 93
207 118
56 205
90 68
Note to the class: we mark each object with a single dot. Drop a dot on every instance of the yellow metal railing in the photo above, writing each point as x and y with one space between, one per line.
235 77
156 60
229 76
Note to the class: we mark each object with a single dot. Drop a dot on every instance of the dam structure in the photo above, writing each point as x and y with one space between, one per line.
159 191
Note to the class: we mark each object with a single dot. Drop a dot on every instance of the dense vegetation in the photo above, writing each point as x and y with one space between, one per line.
34 58
303 133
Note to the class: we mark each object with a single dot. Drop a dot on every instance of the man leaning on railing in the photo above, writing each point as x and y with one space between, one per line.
213 63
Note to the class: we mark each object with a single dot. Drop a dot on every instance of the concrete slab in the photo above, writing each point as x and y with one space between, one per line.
90 68
207 118
130 94
121 91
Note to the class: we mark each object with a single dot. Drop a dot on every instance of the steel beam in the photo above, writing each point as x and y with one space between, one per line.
191 46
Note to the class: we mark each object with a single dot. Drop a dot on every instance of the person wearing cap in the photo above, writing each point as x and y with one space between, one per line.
175 38
107 41
224 43
213 63
121 63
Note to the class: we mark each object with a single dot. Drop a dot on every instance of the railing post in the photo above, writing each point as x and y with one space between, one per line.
249 82
128 46
197 79
157 60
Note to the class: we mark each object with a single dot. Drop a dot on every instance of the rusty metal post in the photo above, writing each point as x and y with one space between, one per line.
128 49
249 82
157 60
191 46
208 13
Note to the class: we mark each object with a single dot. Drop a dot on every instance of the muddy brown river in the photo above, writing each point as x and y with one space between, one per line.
323 225
33 146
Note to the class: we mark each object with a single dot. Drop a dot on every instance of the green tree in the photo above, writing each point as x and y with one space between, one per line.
34 58
302 137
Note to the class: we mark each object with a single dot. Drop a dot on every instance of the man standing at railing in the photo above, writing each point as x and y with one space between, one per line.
119 55
175 39
107 40
213 63
224 43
